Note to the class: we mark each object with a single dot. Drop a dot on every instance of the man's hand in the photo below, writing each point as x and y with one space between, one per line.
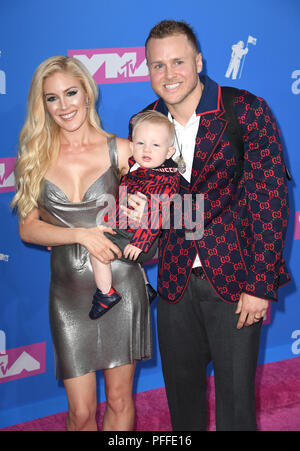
131 252
251 310
138 203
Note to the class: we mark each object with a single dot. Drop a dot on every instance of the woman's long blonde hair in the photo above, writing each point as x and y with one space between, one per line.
39 141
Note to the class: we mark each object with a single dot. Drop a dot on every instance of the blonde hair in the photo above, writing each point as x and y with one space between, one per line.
39 141
167 28
153 117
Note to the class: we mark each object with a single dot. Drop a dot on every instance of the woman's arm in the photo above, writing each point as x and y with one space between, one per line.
33 230
124 152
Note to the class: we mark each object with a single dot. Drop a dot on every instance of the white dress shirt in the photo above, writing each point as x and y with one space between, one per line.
186 137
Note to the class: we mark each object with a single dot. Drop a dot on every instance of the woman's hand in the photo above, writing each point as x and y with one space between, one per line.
98 244
34 230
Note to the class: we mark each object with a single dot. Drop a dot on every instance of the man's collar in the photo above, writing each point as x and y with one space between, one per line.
210 99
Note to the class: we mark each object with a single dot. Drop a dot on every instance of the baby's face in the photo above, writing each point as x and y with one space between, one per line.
151 144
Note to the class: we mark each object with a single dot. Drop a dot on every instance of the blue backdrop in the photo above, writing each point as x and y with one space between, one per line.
109 37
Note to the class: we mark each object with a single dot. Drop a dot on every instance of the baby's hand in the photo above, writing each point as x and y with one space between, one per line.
131 252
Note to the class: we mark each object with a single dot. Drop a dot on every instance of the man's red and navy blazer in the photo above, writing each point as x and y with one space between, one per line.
244 224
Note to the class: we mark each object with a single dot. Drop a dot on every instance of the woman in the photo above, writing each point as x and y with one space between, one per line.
66 163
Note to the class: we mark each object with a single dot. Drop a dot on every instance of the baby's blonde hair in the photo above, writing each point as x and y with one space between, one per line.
153 117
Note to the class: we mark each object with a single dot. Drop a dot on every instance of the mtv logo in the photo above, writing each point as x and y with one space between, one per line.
118 65
7 178
23 362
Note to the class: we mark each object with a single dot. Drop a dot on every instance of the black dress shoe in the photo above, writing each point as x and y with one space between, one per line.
150 292
103 302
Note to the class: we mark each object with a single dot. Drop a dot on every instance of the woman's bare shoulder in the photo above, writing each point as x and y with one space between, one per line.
123 145
124 152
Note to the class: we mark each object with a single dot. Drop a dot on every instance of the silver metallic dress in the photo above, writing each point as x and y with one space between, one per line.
123 334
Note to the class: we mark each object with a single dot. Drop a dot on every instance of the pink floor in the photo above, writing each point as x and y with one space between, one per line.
278 404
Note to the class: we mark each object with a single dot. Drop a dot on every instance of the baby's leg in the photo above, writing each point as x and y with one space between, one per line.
102 274
105 296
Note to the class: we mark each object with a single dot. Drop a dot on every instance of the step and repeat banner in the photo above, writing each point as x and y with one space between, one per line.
249 44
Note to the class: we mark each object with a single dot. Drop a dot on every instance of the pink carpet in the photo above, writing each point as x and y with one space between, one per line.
278 404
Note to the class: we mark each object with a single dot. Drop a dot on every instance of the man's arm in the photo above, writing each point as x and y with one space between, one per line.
266 195
267 200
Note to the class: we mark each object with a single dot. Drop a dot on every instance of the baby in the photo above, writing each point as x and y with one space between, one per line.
152 172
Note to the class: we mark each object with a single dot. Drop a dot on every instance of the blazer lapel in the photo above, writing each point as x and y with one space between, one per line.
210 132
209 135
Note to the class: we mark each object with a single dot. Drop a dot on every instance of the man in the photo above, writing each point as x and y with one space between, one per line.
214 292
